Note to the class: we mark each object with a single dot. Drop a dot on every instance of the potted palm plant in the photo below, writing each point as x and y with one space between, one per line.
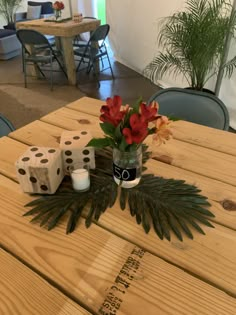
193 43
8 9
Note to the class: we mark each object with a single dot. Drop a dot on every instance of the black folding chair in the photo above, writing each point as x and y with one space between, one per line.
37 50
78 41
5 126
194 106
94 51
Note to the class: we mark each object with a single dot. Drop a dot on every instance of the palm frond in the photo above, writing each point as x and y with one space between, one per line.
164 204
230 66
193 42
8 9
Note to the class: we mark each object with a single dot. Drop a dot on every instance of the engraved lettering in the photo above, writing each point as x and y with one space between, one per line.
122 281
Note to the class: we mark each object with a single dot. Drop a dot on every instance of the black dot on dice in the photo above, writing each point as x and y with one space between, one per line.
83 132
58 171
25 159
76 137
34 149
39 154
44 187
86 152
86 160
33 179
51 151
21 171
68 142
68 152
44 161
69 161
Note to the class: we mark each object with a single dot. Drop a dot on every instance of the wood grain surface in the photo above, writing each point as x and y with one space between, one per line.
65 29
66 32
182 130
22 291
9 153
114 266
178 153
221 196
95 265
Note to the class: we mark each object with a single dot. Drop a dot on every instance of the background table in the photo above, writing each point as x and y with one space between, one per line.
114 267
66 31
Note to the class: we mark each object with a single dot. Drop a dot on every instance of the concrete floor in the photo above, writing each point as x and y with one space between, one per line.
22 105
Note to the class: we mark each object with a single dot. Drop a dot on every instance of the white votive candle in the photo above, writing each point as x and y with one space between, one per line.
80 179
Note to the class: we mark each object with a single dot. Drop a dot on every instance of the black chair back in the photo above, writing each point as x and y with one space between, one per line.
31 37
5 126
194 106
95 50
40 52
100 33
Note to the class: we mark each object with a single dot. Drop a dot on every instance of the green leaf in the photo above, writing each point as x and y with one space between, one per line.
167 205
123 197
118 135
89 217
108 128
59 214
74 217
100 142
190 51
123 145
137 105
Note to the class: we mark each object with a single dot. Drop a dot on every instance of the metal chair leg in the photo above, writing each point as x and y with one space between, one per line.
25 70
51 72
95 73
110 67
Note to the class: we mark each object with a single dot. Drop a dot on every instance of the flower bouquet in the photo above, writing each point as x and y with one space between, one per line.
125 129
58 6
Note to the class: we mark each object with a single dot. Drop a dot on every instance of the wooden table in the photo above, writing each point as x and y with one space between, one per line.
66 31
114 267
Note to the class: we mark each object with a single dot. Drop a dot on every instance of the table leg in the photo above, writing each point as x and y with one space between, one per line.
34 70
95 45
69 60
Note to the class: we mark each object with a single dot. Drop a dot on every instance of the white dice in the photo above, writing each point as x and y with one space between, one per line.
74 150
40 170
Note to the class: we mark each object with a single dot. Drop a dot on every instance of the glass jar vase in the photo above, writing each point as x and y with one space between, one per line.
57 14
127 167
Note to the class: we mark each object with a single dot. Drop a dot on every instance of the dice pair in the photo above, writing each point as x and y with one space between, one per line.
41 169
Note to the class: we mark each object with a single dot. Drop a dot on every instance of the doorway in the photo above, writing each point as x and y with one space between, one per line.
101 10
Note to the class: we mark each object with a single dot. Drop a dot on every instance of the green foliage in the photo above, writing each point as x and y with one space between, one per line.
100 142
164 204
194 41
8 9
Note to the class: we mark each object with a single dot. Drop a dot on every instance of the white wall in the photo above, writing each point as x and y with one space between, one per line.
133 37
134 30
65 12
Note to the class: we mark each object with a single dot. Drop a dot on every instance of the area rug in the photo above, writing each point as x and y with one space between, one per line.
22 106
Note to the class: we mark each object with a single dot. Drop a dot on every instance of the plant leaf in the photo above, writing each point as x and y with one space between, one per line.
108 128
100 142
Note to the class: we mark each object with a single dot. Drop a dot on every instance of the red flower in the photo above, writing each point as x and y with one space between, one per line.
58 5
111 112
149 112
138 131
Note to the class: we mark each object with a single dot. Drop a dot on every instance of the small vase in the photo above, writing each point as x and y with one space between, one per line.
57 14
127 167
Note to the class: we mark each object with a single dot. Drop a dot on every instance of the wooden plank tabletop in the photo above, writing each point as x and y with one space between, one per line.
114 267
91 265
64 29
182 130
22 291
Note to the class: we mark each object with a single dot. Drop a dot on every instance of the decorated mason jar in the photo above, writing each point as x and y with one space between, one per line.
127 167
